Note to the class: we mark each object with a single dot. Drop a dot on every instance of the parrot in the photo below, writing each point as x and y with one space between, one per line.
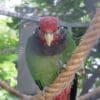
48 50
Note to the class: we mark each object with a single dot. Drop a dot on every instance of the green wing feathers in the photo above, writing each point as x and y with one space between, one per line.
70 47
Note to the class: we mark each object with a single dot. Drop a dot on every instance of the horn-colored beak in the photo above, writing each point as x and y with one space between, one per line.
49 39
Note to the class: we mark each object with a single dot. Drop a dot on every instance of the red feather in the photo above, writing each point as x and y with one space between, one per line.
48 23
64 95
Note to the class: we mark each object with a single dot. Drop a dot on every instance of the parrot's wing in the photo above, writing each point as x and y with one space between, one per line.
70 47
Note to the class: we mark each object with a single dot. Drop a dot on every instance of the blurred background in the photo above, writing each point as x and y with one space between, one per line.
78 12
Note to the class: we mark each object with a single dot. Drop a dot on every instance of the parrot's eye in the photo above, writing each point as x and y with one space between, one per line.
62 30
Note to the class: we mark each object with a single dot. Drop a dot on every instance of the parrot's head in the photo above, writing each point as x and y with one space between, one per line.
49 30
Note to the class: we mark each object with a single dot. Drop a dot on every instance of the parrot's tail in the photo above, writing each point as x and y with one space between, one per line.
69 93
64 95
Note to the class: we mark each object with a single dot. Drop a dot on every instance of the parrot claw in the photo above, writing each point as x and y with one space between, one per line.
38 91
64 66
45 88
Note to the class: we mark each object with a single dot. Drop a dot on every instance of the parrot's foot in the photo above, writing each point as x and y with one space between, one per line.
38 91
45 88
64 66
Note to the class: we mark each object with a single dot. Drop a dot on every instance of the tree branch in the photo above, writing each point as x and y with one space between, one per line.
91 95
11 90
22 96
37 18
18 15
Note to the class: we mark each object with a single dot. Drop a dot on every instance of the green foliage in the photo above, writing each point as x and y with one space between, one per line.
4 95
78 33
8 74
7 70
68 10
14 24
98 4
8 40
8 44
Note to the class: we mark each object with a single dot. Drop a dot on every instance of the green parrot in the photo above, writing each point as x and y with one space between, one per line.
48 50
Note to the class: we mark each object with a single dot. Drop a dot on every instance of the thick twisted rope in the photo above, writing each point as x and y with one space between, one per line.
66 76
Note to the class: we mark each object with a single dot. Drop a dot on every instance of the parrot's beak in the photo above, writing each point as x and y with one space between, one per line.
49 38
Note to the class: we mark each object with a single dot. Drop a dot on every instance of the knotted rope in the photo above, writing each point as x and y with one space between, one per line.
66 76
